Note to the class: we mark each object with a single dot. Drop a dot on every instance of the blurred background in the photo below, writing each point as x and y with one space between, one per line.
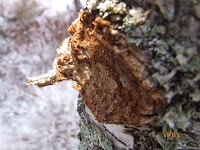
33 118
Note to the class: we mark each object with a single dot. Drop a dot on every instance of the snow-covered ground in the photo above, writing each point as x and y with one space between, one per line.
33 118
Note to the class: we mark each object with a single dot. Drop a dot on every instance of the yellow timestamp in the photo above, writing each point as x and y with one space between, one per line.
171 134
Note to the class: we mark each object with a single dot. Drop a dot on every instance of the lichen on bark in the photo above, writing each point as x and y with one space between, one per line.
90 135
136 64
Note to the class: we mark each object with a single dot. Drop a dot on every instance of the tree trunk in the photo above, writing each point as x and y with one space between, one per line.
137 67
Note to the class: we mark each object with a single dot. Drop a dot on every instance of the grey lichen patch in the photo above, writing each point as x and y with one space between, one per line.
108 8
167 8
134 17
90 135
92 138
143 139
118 13
196 8
169 36
175 65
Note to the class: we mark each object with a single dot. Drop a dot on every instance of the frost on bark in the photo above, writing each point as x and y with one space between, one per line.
136 64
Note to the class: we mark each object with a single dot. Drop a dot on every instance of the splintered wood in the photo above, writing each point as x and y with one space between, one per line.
110 74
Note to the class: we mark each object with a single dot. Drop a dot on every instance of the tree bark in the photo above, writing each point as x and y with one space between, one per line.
136 64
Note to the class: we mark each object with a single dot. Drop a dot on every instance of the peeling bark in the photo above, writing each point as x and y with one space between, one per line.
109 73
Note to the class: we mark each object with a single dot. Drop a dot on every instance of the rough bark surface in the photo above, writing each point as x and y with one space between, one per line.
136 64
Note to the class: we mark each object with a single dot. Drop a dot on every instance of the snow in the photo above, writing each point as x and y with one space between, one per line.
59 5
33 118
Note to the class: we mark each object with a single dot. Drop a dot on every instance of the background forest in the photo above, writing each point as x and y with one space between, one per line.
32 118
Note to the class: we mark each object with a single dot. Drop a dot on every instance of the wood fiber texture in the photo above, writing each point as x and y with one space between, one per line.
110 73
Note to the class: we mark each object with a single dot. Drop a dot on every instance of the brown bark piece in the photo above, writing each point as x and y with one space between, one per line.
110 73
